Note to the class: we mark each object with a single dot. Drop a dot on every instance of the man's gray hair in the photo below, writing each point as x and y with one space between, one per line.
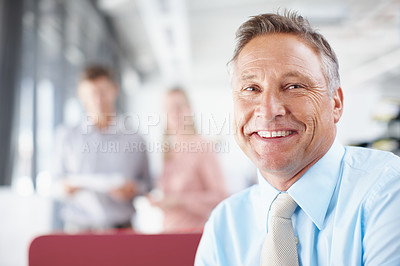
291 23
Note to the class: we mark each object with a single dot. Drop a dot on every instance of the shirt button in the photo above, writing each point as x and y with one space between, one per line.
296 239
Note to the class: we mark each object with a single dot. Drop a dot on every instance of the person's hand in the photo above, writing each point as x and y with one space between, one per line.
153 202
125 192
70 190
154 197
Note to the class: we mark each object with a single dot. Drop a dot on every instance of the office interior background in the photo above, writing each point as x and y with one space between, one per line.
154 45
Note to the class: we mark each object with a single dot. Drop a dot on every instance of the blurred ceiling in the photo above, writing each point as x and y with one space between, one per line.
178 42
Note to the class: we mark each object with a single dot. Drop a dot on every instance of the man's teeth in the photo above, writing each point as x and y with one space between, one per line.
274 134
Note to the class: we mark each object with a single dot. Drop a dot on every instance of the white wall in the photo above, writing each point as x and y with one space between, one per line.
357 123
22 218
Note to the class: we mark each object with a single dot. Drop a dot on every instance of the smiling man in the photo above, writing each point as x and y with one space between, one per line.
317 202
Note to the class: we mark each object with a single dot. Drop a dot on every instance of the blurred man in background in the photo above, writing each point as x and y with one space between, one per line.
100 165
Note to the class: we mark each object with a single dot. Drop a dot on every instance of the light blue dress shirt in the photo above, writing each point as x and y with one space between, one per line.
348 214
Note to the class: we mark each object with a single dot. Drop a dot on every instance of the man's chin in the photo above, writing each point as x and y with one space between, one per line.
274 164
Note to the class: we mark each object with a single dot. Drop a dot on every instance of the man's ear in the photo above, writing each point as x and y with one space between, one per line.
337 101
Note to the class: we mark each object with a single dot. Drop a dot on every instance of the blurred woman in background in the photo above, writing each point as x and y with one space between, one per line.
191 182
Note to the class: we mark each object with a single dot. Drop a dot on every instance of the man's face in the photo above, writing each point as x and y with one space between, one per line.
284 116
98 96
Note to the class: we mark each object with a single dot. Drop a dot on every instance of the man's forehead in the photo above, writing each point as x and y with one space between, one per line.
254 62
249 73
255 74
285 71
258 63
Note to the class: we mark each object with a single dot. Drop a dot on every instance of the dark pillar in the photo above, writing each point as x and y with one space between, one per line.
11 15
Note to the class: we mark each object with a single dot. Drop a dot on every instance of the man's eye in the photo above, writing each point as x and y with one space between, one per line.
250 89
294 86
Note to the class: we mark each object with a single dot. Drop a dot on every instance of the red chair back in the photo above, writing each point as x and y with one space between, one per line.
114 249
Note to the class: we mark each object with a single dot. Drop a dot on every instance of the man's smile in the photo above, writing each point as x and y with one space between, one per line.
274 134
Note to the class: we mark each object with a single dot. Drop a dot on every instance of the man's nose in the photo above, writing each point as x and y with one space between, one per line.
271 105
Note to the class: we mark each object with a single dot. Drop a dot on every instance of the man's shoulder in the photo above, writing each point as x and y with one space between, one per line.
236 204
371 160
371 171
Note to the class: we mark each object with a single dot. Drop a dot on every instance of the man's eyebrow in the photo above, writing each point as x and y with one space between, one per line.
292 74
245 77
296 74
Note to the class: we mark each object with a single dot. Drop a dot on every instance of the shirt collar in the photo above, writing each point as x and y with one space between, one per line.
313 191
267 194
